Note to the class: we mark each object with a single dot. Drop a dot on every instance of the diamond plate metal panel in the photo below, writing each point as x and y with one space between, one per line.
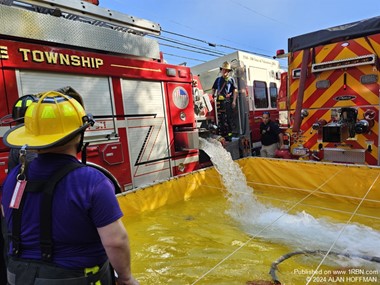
344 155
48 28
88 12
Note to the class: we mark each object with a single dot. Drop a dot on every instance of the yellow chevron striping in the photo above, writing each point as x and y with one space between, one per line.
375 45
325 51
297 60
362 90
326 95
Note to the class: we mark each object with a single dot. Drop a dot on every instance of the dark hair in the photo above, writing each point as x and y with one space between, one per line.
266 113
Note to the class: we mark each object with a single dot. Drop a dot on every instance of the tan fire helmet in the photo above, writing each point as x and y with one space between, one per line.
226 65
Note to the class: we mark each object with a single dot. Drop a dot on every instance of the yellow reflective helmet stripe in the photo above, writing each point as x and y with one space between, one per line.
27 103
29 111
68 110
48 112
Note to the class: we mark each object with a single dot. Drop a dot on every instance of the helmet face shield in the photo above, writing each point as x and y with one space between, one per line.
53 120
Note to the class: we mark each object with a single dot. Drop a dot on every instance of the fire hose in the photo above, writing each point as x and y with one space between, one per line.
274 265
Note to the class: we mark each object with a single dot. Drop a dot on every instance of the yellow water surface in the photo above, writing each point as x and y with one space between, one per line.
197 241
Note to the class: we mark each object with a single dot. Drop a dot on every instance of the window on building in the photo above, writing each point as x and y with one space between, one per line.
260 94
273 93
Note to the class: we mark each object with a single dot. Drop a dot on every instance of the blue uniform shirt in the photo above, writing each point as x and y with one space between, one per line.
224 87
269 133
84 200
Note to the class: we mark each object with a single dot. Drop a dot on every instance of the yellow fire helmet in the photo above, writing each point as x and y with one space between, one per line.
53 120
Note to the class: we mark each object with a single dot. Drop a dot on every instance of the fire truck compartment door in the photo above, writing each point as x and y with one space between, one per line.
147 131
112 153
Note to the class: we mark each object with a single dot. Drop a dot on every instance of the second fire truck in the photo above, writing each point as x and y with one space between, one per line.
329 98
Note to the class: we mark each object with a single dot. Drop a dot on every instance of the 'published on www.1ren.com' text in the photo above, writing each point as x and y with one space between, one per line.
343 276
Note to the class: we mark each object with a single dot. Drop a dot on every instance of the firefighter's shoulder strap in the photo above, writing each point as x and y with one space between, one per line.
46 210
47 187
224 84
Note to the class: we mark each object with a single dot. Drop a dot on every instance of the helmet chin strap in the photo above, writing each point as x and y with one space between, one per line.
82 147
22 159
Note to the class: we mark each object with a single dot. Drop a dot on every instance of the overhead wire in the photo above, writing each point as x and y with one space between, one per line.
185 57
196 49
190 38
213 44
257 13
186 49
214 52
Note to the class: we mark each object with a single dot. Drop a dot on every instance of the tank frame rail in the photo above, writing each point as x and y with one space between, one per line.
89 13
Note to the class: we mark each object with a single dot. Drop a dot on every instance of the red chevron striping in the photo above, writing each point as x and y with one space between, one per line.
359 49
321 92
366 95
310 120
364 88
370 159
293 97
336 75
331 55
336 52
332 102
375 38
312 141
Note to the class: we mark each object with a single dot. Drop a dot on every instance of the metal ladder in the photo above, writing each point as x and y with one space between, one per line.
89 13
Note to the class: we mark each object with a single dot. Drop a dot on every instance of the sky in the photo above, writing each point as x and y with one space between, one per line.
258 26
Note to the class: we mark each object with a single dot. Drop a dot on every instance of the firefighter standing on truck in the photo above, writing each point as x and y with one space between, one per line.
225 91
62 216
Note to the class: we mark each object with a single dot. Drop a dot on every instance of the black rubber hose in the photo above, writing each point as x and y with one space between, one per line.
274 265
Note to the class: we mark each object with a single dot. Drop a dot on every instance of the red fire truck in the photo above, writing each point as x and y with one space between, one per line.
329 98
145 127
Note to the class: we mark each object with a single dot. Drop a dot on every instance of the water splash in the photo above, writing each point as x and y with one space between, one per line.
240 196
299 230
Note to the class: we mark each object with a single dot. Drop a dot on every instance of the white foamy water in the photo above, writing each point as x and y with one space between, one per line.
300 231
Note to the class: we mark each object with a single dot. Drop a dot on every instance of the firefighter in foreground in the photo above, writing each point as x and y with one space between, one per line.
62 217
226 95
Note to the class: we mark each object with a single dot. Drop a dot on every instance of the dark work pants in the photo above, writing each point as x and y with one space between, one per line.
31 272
225 117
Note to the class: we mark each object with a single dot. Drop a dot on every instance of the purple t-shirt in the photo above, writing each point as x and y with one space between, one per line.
83 201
